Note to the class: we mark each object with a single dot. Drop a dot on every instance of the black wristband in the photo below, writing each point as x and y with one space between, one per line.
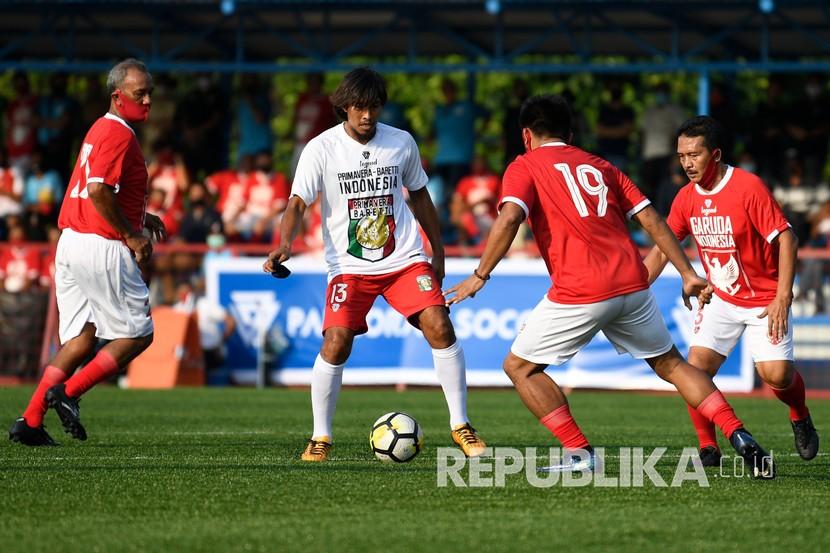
478 276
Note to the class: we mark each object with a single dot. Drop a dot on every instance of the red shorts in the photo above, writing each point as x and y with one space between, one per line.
409 291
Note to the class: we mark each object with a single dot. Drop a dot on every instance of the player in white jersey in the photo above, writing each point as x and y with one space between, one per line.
360 168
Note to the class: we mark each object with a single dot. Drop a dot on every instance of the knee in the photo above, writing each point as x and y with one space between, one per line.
438 331
83 346
336 349
665 365
514 367
778 377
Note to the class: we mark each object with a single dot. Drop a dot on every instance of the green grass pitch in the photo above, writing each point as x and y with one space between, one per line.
218 470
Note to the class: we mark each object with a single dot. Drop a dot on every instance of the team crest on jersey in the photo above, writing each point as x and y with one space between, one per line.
707 208
424 283
723 270
372 227
366 154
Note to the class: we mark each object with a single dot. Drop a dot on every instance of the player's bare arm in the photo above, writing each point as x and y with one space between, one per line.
103 198
289 227
666 241
498 243
655 262
777 312
427 216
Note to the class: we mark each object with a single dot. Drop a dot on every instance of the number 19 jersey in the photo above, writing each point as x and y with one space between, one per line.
576 204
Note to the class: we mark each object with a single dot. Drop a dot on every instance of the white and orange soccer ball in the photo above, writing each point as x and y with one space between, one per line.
396 437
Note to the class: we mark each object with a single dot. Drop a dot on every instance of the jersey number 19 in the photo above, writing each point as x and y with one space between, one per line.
599 189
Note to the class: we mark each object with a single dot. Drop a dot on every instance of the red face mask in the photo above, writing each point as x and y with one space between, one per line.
131 110
708 177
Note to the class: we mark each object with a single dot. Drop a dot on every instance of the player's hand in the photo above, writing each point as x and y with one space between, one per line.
463 290
693 285
777 314
276 257
705 296
156 227
438 268
140 245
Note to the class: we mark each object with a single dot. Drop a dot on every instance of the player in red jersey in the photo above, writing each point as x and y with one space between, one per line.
577 204
749 252
99 289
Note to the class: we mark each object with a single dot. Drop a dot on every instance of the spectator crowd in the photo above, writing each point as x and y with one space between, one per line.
210 145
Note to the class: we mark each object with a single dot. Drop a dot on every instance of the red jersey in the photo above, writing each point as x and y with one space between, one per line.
266 193
475 189
21 134
110 155
230 187
577 204
734 226
313 114
19 265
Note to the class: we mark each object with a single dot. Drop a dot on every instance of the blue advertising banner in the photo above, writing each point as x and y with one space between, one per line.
287 315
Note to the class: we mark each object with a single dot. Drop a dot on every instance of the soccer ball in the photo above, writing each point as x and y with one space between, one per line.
396 437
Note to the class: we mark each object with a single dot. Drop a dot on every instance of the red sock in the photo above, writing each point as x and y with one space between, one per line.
37 405
97 370
715 409
564 427
704 428
793 395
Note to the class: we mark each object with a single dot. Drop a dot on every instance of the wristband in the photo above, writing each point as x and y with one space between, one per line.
478 276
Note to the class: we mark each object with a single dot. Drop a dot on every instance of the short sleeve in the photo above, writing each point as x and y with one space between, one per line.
414 177
517 186
308 178
677 220
106 159
764 213
632 201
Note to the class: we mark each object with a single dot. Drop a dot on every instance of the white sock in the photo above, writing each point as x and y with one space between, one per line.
325 387
451 370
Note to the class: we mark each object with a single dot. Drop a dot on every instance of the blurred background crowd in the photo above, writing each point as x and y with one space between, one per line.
222 152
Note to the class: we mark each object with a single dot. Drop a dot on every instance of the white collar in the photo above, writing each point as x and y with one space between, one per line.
720 185
552 144
114 117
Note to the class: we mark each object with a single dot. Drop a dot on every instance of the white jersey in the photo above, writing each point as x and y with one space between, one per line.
367 227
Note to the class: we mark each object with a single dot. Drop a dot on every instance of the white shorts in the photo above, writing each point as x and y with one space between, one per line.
720 324
555 332
97 281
